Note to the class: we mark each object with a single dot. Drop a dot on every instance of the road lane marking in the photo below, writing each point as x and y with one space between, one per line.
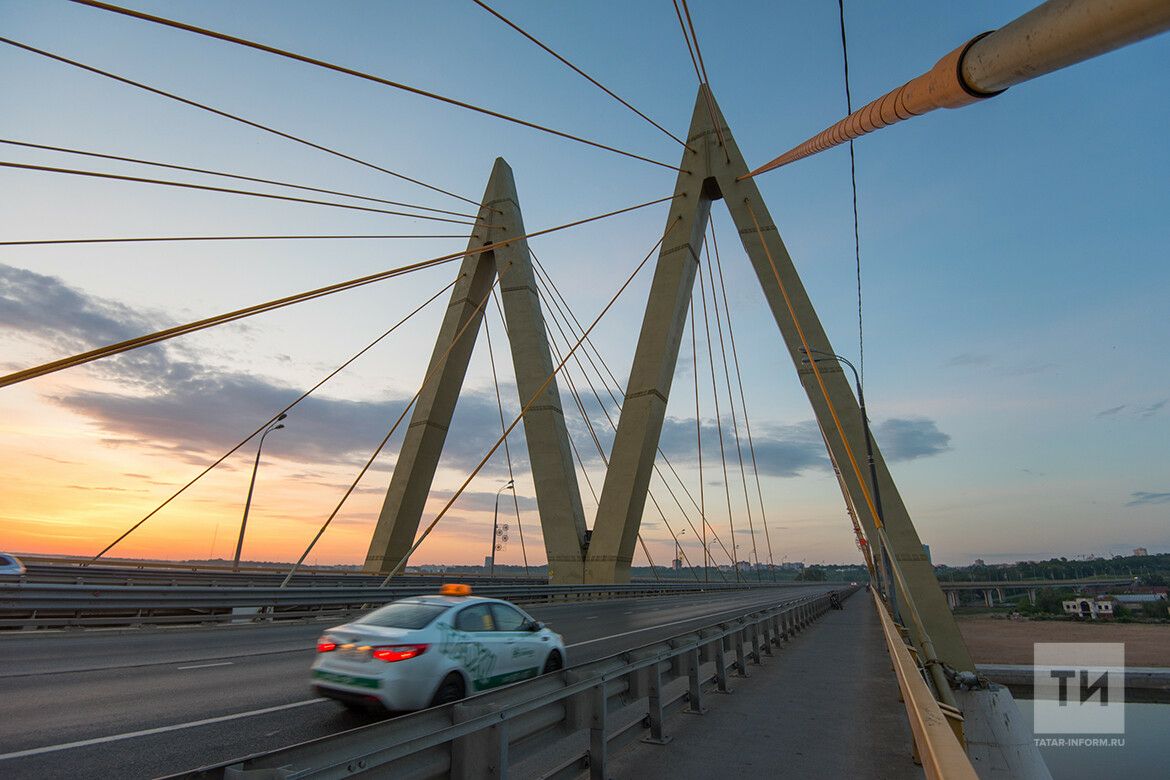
205 666
750 609
150 732
591 617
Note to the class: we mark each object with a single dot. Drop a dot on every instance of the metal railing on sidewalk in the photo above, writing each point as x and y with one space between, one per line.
937 727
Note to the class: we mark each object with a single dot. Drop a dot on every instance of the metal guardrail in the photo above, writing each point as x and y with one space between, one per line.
44 605
42 573
554 726
1017 584
936 730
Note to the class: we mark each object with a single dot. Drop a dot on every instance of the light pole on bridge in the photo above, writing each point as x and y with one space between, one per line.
252 486
495 524
873 480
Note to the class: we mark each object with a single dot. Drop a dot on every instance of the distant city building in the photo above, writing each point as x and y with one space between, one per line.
792 566
676 564
487 561
926 552
979 562
1140 551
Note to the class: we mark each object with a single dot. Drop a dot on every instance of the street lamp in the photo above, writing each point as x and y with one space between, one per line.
251 487
495 525
678 548
877 497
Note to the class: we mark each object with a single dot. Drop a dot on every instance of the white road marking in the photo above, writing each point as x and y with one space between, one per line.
149 732
592 617
205 666
750 607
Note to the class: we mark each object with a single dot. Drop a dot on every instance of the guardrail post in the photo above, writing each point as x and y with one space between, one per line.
721 666
654 678
598 739
483 754
740 657
766 629
755 629
777 629
696 692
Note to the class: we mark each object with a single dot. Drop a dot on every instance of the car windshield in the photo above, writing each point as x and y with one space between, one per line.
403 614
6 561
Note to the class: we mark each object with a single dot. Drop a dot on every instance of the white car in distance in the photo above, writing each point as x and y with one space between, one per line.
425 651
11 565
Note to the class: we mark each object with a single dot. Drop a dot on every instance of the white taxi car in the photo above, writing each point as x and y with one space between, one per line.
424 651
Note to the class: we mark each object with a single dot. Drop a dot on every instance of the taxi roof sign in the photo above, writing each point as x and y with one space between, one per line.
455 589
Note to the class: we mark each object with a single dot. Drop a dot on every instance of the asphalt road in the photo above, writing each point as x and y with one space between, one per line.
135 704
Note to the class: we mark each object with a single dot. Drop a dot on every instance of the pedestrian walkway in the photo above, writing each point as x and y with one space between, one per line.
824 705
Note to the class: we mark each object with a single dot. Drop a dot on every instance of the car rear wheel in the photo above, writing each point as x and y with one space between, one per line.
554 662
451 689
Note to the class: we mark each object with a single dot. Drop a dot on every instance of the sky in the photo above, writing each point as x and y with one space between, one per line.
1013 262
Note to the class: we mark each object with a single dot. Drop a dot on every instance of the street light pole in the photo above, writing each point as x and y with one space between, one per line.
495 524
251 487
873 480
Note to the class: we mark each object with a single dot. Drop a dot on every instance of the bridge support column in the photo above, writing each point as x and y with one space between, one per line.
712 170
557 495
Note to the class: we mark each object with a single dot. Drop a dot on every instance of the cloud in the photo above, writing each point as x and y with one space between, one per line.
485 501
192 410
909 439
1143 498
179 406
1153 408
968 359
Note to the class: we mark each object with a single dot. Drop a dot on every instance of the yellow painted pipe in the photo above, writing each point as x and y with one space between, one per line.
1051 36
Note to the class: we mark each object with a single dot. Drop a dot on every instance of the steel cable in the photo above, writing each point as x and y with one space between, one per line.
227 190
362 75
320 292
539 391
575 69
233 117
224 174
268 422
438 367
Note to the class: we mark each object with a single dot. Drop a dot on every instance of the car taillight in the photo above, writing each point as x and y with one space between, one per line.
398 652
326 644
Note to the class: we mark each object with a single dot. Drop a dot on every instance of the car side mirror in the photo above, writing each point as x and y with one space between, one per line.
535 625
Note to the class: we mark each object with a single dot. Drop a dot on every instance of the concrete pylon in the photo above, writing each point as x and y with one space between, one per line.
712 167
557 495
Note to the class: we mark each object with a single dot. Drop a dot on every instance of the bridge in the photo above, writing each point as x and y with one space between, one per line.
197 672
995 589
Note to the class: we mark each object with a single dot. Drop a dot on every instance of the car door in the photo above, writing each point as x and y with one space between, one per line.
523 650
479 647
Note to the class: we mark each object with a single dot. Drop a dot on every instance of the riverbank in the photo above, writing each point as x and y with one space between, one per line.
994 640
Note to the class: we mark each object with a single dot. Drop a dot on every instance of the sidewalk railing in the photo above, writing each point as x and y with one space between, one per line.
937 728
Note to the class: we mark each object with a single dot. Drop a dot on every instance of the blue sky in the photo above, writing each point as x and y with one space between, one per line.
1014 257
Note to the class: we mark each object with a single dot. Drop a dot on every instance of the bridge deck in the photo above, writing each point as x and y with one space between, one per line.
825 705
